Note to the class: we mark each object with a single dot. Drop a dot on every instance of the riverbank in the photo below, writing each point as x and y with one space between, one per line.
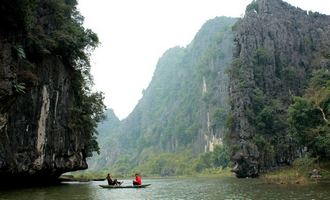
285 175
71 178
297 174
83 176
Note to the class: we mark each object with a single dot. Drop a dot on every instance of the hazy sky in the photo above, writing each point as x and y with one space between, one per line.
135 33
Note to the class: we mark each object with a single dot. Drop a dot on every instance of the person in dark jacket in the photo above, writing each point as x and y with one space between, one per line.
113 181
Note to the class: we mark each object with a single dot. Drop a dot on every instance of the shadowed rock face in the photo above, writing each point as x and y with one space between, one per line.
294 42
35 135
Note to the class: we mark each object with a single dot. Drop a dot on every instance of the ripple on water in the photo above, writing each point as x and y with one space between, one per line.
174 188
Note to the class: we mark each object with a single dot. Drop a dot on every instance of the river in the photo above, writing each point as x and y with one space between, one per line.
174 188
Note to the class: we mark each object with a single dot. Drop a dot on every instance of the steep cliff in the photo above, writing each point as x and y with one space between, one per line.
277 47
47 112
183 109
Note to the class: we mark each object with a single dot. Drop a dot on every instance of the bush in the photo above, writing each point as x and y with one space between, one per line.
304 164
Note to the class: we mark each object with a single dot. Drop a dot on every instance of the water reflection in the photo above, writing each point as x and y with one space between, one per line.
63 191
189 188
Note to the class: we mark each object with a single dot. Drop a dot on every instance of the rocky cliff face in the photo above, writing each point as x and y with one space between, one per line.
277 47
39 95
34 128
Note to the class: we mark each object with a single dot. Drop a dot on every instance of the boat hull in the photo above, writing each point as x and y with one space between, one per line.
124 186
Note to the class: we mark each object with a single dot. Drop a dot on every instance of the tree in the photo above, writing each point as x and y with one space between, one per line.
318 93
309 115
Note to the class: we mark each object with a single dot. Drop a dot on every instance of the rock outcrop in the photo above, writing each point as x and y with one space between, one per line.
34 128
40 95
277 47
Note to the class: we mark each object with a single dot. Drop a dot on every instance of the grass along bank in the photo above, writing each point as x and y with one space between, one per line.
299 173
96 175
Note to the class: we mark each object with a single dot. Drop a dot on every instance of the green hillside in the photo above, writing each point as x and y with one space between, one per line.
181 115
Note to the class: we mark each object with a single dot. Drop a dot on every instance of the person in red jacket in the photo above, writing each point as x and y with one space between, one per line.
137 180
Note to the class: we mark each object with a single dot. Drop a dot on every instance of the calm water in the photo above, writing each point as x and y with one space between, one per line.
188 188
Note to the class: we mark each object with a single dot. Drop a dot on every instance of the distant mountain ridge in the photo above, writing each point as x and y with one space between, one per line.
181 108
243 88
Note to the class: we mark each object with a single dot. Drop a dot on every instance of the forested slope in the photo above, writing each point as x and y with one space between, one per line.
183 111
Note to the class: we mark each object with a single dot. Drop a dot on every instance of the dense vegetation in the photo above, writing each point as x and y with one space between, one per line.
309 128
309 116
52 30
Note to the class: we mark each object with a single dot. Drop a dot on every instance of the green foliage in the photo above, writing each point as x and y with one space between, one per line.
253 6
309 116
218 117
27 12
258 100
290 76
123 166
235 69
52 27
221 156
218 158
322 142
304 164
262 56
320 79
230 123
18 14
85 116
20 87
266 149
163 164
269 120
265 119
314 14
173 164
299 173
302 116
260 62
20 52
235 27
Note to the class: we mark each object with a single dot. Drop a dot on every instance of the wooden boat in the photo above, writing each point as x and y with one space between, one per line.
98 179
124 186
